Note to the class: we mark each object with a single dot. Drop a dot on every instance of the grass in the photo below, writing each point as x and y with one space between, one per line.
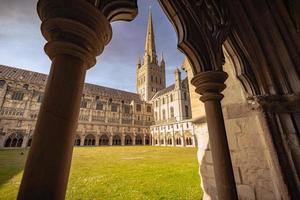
117 173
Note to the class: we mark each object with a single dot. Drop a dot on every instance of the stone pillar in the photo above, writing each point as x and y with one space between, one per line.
76 33
210 84
122 139
110 140
133 139
97 138
82 137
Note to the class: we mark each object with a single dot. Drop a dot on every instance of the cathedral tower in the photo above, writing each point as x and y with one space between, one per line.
150 75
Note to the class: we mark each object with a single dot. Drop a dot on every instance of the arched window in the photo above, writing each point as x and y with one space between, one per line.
2 83
77 140
104 140
29 142
138 140
171 112
128 140
162 141
89 140
178 141
171 97
186 111
116 140
156 141
14 140
189 141
184 96
147 140
164 114
169 141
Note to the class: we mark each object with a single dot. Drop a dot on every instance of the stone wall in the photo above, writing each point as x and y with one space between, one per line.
253 157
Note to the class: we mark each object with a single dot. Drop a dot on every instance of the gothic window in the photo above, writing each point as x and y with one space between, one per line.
172 112
14 140
189 141
77 140
148 108
126 109
163 100
184 96
99 106
155 115
162 141
171 97
138 107
178 141
114 108
138 140
2 83
89 140
128 140
83 104
164 114
116 140
17 96
186 111
104 140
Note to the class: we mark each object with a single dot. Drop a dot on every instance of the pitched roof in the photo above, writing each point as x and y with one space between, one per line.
30 77
164 91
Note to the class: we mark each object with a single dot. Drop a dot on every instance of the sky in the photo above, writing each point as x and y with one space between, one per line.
21 44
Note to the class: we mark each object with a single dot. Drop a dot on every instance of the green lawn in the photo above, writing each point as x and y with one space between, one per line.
117 173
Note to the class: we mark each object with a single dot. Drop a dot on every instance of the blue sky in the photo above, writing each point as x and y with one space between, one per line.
21 44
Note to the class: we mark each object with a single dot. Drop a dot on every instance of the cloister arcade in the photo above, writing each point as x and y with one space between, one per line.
262 36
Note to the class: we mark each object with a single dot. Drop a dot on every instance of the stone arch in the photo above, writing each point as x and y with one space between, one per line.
104 140
29 142
116 140
138 139
128 140
14 140
89 140
77 140
169 140
147 140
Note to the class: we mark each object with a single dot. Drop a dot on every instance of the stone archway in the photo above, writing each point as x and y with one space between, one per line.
128 140
14 140
116 140
104 140
90 140
138 139
77 141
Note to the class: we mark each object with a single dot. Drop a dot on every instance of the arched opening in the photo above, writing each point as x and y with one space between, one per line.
104 140
89 140
116 140
147 140
29 142
169 141
178 141
128 140
77 140
188 141
162 141
138 140
14 140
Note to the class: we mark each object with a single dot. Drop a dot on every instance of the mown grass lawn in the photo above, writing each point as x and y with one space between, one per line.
117 173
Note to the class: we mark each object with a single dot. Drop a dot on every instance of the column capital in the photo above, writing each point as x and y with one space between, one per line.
210 84
74 28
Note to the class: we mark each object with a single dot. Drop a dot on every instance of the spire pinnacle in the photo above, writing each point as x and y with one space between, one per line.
139 60
162 57
150 42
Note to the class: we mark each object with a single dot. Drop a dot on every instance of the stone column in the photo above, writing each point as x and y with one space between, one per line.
82 137
210 84
133 139
76 33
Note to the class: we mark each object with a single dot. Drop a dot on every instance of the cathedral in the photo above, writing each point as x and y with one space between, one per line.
155 115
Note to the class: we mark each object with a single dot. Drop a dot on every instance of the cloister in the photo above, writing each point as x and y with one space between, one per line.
261 38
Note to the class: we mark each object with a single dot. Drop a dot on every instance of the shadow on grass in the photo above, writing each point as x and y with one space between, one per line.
12 162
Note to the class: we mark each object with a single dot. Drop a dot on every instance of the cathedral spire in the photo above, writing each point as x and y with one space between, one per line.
150 51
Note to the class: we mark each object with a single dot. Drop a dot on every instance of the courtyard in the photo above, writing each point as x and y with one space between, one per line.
113 173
